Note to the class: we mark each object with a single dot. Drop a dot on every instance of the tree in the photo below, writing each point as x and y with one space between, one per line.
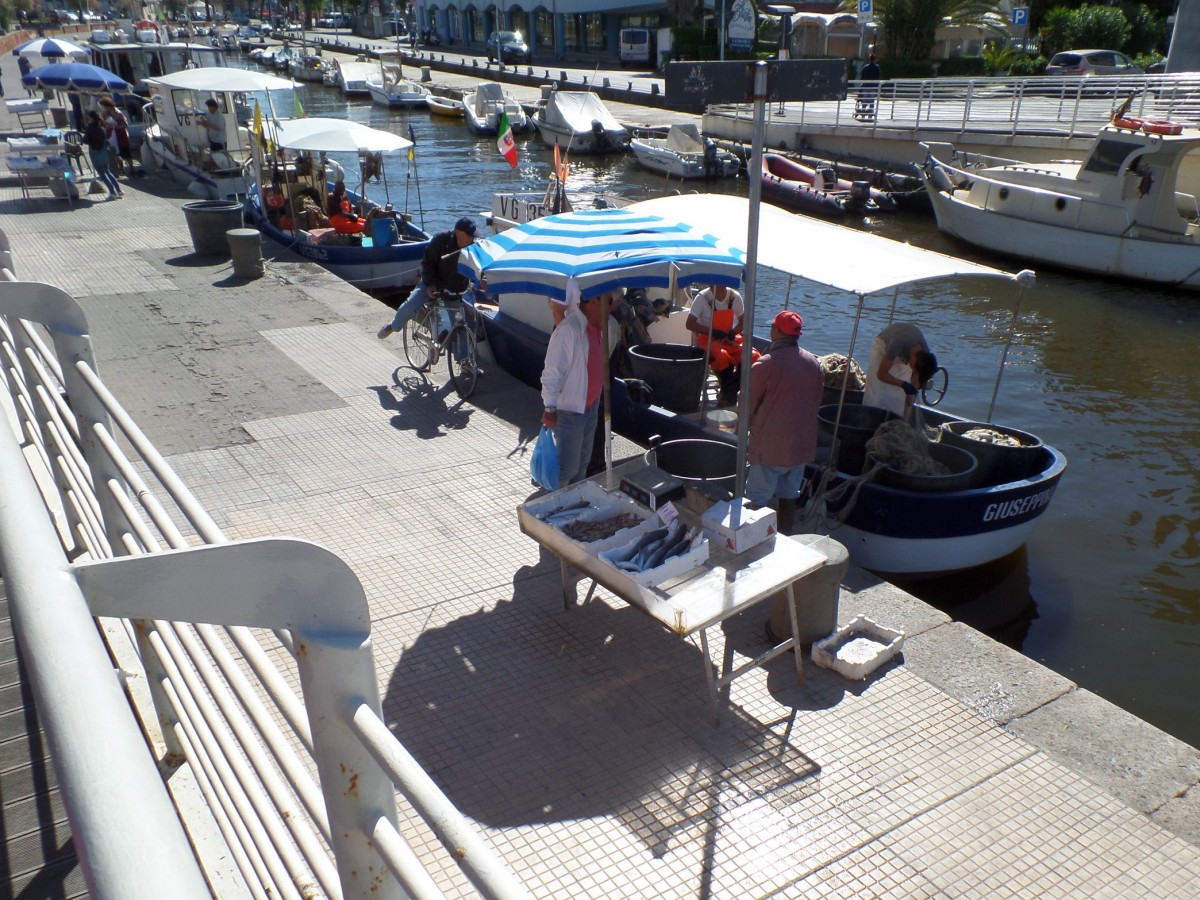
1102 26
909 27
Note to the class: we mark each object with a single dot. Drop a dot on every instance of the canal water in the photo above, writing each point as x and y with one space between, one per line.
1107 591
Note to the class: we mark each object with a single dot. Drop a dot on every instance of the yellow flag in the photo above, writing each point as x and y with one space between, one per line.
258 125
299 108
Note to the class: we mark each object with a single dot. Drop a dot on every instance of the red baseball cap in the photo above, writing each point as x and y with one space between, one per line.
790 323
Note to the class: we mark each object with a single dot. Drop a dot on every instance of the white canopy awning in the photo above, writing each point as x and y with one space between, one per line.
221 80
813 250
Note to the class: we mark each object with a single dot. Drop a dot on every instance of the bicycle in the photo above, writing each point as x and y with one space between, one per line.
426 338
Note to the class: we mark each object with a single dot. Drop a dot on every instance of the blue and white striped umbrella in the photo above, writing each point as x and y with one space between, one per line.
51 48
603 249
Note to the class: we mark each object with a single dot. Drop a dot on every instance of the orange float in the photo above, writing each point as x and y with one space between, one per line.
1150 126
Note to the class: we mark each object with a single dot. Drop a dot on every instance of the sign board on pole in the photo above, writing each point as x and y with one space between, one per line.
1020 16
866 10
691 86
741 25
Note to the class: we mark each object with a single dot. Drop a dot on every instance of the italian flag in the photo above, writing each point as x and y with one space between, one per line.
504 141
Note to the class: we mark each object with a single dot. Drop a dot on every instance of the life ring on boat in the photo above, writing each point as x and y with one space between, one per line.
1150 126
275 199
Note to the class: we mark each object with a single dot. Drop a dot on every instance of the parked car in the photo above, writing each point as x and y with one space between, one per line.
507 46
1091 62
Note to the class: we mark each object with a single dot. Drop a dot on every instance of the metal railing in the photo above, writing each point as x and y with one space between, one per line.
1053 106
110 557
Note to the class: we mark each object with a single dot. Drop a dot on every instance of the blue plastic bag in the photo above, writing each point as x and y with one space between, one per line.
543 465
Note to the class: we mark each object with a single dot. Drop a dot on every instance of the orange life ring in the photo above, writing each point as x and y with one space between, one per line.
1150 126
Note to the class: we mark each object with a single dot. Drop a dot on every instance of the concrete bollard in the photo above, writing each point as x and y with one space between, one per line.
245 246
606 84
426 73
816 594
547 90
654 89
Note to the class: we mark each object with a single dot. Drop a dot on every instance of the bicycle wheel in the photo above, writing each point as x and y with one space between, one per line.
418 339
464 368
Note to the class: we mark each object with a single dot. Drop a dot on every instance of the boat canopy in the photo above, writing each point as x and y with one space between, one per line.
318 134
685 139
577 110
842 258
220 79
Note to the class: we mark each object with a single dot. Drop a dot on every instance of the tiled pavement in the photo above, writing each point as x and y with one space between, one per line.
580 741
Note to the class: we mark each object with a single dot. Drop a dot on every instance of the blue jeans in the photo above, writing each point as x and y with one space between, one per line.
573 437
764 483
418 298
99 160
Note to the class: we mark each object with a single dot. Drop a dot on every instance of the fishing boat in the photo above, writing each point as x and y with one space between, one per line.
388 87
797 187
1129 209
444 106
289 199
684 154
176 140
138 53
484 106
309 66
579 122
897 531
511 208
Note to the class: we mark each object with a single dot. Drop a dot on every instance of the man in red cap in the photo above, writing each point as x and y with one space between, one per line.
786 385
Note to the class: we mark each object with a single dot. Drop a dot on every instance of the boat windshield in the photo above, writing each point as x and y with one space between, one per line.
1108 157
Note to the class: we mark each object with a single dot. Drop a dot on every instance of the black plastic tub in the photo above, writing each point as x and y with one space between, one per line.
961 464
700 463
998 463
857 426
675 372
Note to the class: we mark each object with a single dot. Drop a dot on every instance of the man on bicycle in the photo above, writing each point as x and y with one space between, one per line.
439 272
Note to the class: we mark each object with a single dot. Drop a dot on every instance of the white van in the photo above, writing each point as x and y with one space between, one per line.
636 47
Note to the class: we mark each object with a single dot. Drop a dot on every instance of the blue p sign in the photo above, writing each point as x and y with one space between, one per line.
865 8
1020 16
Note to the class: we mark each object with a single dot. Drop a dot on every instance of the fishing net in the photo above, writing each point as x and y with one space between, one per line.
992 436
833 367
905 448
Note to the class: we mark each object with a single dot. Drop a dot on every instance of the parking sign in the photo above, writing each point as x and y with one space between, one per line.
866 10
1020 16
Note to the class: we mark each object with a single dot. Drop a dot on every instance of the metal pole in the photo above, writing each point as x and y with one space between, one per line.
721 32
756 153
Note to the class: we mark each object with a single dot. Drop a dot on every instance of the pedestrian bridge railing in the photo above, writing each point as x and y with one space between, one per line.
1041 105
151 644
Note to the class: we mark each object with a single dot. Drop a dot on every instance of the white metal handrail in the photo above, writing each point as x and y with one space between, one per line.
147 558
1058 106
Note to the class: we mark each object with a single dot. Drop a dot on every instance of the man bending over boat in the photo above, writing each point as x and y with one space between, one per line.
786 385
899 366
715 320
439 272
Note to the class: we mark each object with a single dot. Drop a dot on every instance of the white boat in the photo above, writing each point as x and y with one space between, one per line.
352 77
910 531
444 106
388 87
176 139
1129 209
579 122
384 252
511 208
484 105
138 53
308 67
685 154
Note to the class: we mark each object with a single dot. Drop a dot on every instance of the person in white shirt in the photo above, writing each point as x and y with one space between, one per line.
720 309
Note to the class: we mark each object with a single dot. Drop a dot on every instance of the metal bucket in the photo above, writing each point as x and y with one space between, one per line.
675 372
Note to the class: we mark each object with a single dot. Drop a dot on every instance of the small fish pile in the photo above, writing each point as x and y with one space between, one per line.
562 514
833 366
992 436
904 448
586 532
653 548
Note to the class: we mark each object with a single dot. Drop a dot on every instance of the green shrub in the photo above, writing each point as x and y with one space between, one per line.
962 67
1028 65
905 68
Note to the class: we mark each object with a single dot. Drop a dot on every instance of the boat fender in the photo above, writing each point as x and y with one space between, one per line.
941 180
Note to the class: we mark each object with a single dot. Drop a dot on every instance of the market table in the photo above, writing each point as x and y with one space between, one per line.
55 171
694 600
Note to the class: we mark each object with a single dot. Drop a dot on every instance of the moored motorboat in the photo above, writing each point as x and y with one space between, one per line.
444 106
381 250
1128 209
176 139
308 67
889 529
684 154
484 106
511 208
388 86
797 187
352 76
579 122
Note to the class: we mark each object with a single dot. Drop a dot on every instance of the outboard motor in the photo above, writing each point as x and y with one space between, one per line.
826 179
860 196
711 165
599 138
640 393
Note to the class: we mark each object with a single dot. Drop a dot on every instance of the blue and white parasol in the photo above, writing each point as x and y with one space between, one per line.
604 249
50 48
75 76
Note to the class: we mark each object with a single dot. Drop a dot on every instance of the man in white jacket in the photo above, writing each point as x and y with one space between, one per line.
572 382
